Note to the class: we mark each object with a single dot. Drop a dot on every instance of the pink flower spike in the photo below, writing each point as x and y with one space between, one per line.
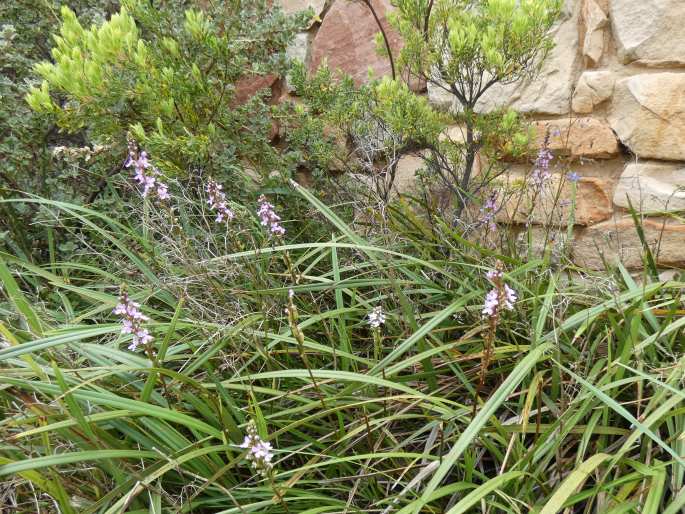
131 319
162 191
259 452
268 217
217 202
493 275
146 174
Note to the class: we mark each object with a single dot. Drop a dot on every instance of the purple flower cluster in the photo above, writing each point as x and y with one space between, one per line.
217 202
488 213
146 174
259 452
573 177
500 297
494 275
269 218
131 320
541 173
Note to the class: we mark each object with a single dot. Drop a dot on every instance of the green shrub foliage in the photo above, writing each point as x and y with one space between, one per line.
464 47
175 77
27 139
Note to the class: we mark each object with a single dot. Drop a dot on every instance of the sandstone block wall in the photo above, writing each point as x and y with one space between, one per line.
613 88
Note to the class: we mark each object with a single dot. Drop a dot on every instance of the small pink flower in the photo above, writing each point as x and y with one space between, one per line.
162 192
491 303
259 452
488 213
500 297
541 173
376 317
493 275
510 298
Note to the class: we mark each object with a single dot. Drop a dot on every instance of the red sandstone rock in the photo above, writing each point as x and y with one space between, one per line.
247 86
346 40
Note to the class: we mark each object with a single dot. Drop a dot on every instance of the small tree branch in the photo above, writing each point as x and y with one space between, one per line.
385 37
426 20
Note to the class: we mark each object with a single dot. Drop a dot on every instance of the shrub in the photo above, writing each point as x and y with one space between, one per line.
27 139
172 77
465 48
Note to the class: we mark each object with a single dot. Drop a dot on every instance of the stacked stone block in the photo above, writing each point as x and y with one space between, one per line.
612 91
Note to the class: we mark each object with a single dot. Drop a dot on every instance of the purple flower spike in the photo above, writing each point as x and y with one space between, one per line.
146 174
541 173
259 452
493 275
500 297
131 319
216 199
269 218
488 213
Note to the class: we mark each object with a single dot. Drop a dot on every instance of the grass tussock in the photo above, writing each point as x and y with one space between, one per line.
366 363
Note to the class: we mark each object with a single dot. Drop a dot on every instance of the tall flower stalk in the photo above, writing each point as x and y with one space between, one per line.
260 456
376 319
293 316
272 221
145 174
216 199
541 174
132 320
268 217
259 452
500 298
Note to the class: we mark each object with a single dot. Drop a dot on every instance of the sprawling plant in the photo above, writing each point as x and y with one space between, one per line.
221 368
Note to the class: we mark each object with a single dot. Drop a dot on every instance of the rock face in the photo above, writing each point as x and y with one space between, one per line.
578 137
648 114
346 40
593 204
616 73
594 20
593 88
550 92
618 241
248 86
405 175
652 187
298 50
649 32
439 98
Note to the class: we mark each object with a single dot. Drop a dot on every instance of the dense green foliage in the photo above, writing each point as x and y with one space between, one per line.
192 84
171 74
27 139
395 361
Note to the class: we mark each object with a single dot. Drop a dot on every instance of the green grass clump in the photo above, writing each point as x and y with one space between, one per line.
570 402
